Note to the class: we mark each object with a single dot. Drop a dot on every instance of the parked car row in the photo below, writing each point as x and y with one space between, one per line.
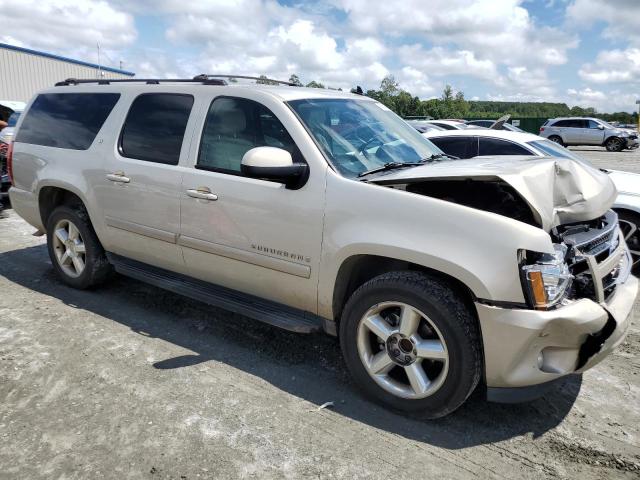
589 131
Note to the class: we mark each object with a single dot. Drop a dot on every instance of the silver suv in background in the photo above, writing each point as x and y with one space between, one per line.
588 131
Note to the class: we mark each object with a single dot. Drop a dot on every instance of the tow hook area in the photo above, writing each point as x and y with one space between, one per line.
594 342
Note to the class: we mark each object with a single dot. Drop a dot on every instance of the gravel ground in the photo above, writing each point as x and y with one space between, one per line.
627 160
130 381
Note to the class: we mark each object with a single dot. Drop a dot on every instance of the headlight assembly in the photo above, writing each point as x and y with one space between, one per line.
547 280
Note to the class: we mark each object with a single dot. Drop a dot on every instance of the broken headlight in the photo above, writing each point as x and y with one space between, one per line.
547 279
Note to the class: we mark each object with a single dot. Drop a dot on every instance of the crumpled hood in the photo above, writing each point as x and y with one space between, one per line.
559 190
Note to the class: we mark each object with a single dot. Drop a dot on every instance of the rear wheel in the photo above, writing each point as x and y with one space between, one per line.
74 249
411 344
614 144
630 226
556 139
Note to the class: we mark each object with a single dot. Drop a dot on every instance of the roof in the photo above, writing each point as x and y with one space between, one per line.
504 134
13 105
65 59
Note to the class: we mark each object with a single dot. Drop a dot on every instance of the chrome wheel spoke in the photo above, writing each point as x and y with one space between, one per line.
380 363
378 326
78 264
431 349
417 378
65 259
73 232
409 320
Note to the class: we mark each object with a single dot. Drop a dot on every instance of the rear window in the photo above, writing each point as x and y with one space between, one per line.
155 126
66 120
461 147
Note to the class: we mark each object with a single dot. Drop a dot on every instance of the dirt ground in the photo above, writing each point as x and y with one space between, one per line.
130 381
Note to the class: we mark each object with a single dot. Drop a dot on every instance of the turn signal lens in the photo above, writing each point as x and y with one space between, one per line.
537 289
548 279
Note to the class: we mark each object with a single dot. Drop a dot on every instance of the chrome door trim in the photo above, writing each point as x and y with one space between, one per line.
143 230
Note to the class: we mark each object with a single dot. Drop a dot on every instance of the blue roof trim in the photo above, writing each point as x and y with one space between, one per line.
65 59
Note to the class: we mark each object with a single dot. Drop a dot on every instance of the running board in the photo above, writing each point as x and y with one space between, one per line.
266 311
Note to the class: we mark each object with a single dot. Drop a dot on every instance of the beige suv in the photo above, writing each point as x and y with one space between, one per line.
313 209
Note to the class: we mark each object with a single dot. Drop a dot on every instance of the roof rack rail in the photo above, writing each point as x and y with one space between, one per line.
202 78
205 76
149 81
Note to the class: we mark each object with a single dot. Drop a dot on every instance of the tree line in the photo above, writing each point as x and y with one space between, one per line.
454 105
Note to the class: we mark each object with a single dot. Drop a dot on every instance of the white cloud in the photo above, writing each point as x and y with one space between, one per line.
610 101
621 16
66 26
614 66
439 61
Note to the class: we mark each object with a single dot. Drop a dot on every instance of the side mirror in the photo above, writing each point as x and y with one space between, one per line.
275 164
600 127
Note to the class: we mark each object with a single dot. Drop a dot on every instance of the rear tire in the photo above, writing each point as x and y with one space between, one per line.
431 359
556 139
75 251
614 144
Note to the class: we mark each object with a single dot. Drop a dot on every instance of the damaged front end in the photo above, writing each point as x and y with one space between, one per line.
579 292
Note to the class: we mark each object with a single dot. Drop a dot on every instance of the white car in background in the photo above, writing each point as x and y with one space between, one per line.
451 124
474 143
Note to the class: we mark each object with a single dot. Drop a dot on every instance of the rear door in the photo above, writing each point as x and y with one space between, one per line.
251 235
139 190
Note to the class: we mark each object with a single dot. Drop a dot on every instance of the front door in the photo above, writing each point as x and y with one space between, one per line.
591 134
255 236
140 189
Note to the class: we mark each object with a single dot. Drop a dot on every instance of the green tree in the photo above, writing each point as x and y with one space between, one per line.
314 84
295 80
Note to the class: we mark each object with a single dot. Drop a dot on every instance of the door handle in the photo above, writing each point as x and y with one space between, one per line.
203 193
118 177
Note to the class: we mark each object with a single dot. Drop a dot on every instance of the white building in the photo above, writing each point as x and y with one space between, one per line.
23 72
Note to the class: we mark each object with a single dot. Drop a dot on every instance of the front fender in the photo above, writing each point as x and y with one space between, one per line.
478 248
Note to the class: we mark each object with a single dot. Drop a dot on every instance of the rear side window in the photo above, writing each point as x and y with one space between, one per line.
495 146
461 147
66 120
155 126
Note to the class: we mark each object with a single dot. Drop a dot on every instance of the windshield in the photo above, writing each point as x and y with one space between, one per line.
13 119
361 135
552 149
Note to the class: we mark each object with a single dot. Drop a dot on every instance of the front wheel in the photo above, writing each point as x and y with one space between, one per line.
411 343
556 139
614 144
630 227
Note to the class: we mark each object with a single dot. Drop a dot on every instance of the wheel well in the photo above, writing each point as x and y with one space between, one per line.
627 211
359 269
51 197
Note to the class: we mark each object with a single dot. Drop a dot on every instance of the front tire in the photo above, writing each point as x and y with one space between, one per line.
411 343
74 249
614 144
630 227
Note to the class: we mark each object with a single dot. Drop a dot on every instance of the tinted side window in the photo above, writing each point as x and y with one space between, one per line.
236 125
592 123
562 123
495 146
66 120
461 147
155 126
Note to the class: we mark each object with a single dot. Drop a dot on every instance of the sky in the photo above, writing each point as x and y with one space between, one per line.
582 52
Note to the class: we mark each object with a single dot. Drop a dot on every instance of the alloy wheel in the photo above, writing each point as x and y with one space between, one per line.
631 234
69 248
402 350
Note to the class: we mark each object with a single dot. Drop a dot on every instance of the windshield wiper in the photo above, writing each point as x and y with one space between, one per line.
390 166
438 156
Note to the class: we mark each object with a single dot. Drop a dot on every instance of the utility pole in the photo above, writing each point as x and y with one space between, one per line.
638 103
99 67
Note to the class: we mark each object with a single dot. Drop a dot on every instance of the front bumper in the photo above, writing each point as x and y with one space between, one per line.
530 347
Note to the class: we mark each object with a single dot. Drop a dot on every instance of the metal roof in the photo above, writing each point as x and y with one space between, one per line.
65 59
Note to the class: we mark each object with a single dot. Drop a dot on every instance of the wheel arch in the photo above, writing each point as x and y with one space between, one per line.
51 196
356 270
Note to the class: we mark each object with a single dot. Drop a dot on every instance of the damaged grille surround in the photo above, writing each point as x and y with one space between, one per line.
596 257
